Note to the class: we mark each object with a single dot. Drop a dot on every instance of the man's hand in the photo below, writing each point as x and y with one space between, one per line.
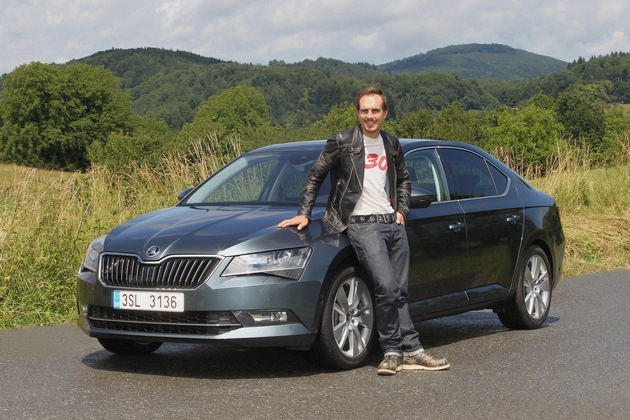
300 221
400 219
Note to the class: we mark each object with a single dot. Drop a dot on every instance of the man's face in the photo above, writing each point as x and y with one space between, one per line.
371 115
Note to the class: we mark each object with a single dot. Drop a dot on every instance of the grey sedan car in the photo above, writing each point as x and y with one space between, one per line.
216 268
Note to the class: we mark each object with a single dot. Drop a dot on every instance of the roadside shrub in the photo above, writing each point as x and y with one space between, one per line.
530 135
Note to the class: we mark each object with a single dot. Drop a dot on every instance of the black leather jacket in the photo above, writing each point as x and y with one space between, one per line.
344 157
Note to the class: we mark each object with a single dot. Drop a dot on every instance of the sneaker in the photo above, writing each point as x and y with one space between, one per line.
390 365
424 361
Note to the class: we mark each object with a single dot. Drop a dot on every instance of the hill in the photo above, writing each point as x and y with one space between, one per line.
164 84
169 85
136 65
480 61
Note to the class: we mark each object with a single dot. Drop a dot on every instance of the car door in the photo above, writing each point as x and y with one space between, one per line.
493 217
437 234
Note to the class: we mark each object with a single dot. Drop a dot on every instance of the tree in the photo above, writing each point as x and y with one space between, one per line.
236 111
51 114
147 142
340 117
542 101
453 123
556 83
415 124
531 134
582 117
616 141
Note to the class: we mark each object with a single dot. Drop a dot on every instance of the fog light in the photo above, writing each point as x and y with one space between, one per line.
269 317
264 317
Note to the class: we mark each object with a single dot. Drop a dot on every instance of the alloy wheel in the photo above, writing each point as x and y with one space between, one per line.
353 317
537 286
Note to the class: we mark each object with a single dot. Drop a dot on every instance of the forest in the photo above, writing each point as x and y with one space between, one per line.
121 107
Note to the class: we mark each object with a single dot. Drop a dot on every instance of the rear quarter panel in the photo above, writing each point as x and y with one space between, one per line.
543 226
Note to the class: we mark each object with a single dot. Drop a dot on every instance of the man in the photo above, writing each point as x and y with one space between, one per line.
369 199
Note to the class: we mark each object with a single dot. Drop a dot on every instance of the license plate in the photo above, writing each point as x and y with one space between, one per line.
148 301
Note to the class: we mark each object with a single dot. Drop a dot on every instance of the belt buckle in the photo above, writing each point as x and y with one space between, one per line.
383 218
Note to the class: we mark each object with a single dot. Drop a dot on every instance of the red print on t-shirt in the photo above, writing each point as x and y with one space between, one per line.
372 160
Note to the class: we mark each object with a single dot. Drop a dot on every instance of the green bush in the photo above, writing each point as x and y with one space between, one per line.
147 142
530 134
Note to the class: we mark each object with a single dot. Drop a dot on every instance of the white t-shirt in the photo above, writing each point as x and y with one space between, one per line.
375 198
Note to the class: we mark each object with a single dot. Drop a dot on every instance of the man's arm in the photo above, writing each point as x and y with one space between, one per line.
313 182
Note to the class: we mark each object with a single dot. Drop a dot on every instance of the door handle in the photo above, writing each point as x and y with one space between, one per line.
513 219
456 227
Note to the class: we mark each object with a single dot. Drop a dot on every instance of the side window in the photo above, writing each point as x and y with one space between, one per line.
500 180
468 175
426 173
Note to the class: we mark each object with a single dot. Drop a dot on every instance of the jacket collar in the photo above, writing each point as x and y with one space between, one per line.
357 141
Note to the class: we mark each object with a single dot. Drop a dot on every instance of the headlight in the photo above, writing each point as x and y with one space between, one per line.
90 262
288 263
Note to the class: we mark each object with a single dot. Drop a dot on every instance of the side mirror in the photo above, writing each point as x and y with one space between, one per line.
421 198
184 193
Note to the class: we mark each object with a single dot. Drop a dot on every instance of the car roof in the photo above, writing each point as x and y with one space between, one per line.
319 144
407 144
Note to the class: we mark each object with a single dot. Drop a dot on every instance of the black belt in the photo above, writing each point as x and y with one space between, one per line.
374 218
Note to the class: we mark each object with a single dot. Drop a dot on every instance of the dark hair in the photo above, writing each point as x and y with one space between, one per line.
371 91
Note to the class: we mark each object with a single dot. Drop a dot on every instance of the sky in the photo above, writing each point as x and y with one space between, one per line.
353 31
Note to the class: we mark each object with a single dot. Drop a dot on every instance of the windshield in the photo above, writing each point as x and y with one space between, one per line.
260 178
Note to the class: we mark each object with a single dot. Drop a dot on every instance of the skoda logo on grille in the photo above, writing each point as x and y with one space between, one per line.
153 251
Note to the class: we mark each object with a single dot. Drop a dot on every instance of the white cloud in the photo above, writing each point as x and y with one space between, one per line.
293 30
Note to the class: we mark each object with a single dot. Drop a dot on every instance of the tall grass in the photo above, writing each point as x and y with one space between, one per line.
594 203
47 219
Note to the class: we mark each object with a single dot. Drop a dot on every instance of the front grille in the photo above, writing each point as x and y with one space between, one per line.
191 322
170 273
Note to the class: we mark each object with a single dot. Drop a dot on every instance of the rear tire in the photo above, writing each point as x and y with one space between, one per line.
529 307
347 331
129 347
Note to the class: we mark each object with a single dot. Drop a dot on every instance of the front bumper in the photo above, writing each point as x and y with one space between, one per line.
214 312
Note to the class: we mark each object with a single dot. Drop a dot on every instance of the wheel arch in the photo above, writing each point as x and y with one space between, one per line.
522 309
535 240
346 334
344 258
540 242
537 232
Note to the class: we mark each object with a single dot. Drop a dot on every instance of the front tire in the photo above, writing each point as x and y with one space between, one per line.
529 307
347 331
129 347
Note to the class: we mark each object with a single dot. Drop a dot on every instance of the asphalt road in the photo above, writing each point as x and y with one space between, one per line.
576 367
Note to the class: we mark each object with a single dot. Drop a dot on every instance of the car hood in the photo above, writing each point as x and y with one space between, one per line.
227 230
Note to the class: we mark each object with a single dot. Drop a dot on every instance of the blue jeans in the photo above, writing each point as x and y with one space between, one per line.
383 251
